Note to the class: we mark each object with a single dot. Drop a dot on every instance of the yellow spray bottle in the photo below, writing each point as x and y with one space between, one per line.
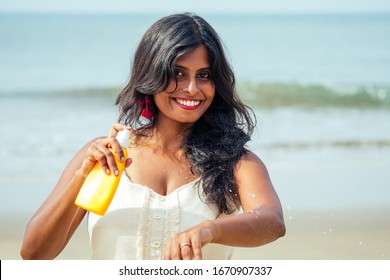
99 188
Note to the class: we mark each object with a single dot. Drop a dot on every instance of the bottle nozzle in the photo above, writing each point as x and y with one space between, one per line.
123 137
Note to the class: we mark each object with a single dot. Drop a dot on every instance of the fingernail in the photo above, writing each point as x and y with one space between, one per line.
122 158
116 172
108 171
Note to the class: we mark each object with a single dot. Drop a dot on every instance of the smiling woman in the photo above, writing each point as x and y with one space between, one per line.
190 94
191 189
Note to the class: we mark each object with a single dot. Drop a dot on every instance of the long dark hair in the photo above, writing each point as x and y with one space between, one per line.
217 141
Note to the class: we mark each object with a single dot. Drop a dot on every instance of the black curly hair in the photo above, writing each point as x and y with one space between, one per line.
217 141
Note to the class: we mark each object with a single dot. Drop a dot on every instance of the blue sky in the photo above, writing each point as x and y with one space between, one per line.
213 6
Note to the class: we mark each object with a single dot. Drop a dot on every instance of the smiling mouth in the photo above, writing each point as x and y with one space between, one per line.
187 104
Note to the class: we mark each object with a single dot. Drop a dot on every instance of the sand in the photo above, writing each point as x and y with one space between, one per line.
362 234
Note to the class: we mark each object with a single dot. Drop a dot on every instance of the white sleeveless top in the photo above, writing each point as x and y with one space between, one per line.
139 222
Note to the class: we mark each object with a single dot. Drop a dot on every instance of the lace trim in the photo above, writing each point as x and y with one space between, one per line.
171 222
144 231
170 219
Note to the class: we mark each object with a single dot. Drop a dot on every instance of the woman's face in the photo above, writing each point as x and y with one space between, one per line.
195 88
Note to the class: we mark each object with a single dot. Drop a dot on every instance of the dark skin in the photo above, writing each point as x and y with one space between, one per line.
56 220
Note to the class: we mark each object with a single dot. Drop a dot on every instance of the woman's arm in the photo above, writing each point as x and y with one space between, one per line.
54 223
262 221
51 227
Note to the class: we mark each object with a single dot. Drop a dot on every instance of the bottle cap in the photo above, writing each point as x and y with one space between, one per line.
123 137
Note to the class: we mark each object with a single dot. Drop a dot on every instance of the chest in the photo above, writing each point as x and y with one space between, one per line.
161 172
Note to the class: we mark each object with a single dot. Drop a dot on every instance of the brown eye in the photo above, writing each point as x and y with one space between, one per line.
204 75
179 73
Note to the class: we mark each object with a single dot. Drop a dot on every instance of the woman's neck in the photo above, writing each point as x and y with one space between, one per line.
166 136
169 135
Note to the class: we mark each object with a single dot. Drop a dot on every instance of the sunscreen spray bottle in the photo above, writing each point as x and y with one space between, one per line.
99 188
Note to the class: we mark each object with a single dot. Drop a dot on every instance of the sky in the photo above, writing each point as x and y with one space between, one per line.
212 6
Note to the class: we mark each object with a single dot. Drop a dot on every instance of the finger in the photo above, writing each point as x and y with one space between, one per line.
108 160
128 162
174 247
97 153
186 251
197 250
115 128
105 156
102 154
117 149
88 164
175 251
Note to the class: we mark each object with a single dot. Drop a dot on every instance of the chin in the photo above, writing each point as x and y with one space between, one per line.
189 120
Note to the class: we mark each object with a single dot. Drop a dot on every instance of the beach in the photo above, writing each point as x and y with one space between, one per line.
335 207
361 234
320 93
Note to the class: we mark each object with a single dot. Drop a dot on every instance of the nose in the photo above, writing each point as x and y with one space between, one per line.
192 86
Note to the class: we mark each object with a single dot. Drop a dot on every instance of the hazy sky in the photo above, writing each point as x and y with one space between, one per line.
223 6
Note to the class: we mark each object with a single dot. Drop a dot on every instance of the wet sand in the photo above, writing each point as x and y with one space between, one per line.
362 234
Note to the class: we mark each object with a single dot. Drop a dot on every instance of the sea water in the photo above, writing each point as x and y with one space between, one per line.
57 51
319 85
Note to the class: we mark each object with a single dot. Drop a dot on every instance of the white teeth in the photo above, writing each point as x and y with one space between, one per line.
189 103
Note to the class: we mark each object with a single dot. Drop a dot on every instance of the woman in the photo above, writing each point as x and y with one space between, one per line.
190 190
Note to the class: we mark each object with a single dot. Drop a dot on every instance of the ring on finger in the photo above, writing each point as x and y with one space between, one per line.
184 245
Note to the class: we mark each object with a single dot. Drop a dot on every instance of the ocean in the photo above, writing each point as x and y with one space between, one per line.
46 52
319 84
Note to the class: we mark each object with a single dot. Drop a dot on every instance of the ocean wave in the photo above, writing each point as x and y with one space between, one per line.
263 95
344 144
71 92
268 95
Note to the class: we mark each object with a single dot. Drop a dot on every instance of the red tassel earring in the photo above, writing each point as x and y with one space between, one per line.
148 110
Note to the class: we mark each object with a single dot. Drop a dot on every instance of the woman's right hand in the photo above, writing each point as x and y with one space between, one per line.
54 223
100 151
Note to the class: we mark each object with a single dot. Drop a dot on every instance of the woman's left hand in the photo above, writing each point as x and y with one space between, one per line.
187 245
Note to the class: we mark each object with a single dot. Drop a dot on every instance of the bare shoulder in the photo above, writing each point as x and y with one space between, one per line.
253 183
250 156
250 163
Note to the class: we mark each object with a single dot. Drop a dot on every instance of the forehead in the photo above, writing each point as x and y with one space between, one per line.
197 58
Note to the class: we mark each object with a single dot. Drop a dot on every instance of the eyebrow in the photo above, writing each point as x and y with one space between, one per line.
185 68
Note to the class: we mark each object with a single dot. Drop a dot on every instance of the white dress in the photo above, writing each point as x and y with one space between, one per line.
139 222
